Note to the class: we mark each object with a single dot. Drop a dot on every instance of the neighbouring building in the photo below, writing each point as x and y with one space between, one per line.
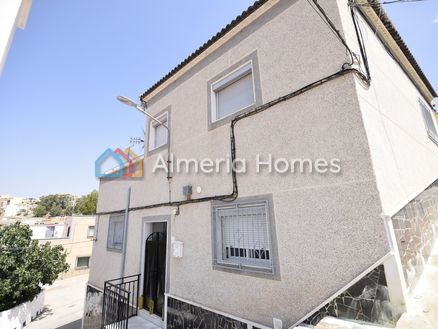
75 234
13 14
328 96
12 207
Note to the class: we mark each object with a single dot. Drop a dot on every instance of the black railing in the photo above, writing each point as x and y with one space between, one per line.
120 301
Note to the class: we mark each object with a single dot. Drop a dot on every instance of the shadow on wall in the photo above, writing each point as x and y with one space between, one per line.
46 311
93 308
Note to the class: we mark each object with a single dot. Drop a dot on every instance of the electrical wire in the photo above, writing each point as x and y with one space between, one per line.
361 42
235 192
321 13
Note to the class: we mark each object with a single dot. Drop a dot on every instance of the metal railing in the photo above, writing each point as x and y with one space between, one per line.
120 301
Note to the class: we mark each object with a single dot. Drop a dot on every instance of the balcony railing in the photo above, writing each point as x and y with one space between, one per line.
120 301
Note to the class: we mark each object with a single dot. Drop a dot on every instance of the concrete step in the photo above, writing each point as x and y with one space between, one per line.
137 322
334 323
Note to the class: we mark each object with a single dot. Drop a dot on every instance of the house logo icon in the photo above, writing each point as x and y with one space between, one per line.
128 164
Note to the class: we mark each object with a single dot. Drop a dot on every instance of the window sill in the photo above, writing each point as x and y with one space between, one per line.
258 272
227 119
114 249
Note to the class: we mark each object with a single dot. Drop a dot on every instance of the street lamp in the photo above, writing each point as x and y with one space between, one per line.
142 109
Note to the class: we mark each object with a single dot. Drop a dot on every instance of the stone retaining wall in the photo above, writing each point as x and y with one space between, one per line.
415 231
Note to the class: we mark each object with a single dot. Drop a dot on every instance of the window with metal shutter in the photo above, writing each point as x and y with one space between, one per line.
243 235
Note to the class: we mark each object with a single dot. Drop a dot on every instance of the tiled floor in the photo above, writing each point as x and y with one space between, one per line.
137 322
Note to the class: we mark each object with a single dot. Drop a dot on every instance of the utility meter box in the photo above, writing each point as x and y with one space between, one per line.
178 249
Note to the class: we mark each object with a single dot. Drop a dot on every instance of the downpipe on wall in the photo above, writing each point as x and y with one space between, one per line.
125 233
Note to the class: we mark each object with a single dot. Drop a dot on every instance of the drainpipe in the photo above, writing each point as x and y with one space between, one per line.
125 233
395 278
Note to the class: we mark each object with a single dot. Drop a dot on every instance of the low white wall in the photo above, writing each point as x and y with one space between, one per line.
23 314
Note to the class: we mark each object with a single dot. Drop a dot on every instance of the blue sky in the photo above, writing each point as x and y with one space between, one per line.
57 91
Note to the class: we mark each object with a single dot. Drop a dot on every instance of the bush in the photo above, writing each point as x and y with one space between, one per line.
87 204
54 205
25 265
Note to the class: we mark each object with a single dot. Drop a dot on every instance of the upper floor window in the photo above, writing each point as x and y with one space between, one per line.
115 232
233 93
158 132
243 236
429 121
235 90
90 232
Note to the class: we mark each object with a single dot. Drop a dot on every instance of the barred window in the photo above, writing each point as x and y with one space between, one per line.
429 121
242 236
115 232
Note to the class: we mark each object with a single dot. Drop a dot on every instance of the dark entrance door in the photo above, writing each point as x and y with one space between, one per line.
155 270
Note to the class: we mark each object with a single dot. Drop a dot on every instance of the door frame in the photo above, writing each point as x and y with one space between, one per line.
146 230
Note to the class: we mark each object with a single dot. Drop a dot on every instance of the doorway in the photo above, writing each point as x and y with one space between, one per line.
154 279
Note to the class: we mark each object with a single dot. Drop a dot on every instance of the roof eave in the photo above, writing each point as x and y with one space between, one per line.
377 16
229 31
374 13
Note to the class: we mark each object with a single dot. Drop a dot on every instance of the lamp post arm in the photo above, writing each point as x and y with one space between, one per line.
153 118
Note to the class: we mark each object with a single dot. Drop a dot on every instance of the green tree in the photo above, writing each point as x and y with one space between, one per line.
54 205
87 204
25 265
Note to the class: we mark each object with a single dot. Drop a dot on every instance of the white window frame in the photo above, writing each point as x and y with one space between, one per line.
433 135
242 264
112 220
163 117
82 267
225 81
88 231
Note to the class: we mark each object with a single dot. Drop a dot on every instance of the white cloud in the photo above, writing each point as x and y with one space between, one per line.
435 21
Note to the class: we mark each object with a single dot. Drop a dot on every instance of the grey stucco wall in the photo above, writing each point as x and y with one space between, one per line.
328 227
404 158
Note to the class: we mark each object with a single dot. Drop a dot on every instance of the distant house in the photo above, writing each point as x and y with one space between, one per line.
75 234
295 80
12 206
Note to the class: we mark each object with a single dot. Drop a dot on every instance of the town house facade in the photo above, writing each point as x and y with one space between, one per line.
343 231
